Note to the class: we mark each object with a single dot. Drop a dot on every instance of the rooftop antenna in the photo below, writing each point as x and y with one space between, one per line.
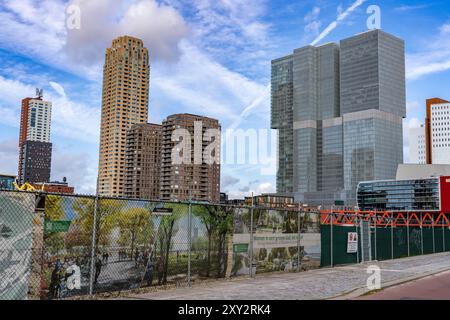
39 93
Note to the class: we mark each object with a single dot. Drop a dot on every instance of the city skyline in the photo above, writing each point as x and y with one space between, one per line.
237 87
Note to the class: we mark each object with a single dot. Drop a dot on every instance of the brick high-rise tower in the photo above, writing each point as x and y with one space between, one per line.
126 75
34 140
198 176
143 161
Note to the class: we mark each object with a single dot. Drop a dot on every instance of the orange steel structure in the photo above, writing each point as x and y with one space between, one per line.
386 218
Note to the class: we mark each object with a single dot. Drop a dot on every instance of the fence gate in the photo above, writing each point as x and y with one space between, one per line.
366 245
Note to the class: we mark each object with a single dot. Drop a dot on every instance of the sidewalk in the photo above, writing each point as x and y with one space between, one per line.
341 282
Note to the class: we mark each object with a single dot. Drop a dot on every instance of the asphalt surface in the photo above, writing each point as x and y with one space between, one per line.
436 287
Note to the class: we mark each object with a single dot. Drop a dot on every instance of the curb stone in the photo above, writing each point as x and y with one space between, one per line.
360 291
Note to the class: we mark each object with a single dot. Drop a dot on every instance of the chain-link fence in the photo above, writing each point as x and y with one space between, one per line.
63 246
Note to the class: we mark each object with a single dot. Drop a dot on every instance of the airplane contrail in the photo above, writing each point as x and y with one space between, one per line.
340 18
324 33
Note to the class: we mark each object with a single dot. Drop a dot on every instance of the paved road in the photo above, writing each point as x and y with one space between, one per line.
436 287
311 285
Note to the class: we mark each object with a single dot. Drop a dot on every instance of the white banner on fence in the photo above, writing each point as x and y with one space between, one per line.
16 226
352 242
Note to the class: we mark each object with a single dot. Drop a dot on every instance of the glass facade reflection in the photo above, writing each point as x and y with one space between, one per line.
282 120
407 195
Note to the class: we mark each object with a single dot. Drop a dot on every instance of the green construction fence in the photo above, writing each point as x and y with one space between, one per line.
386 243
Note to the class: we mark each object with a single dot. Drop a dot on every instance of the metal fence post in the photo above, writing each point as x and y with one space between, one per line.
298 240
251 240
331 241
376 227
94 235
421 230
443 236
189 241
392 235
434 244
358 246
407 231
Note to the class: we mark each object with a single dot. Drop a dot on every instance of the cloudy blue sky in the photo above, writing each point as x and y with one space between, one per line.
209 57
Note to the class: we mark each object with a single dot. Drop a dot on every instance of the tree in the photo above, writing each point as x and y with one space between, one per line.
136 226
262 254
107 212
54 211
218 222
73 237
167 228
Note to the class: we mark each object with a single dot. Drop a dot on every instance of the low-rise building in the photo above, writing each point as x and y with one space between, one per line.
417 188
55 187
270 200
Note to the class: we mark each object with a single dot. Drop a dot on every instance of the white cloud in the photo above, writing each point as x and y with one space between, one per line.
341 17
445 28
228 181
419 68
158 25
69 119
404 8
37 29
412 106
231 31
9 156
312 22
434 58
73 119
79 168
205 86
256 187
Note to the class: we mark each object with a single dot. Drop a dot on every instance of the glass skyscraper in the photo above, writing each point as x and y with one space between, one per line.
347 106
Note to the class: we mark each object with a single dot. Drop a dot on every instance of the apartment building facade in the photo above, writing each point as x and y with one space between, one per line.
143 161
190 163
126 75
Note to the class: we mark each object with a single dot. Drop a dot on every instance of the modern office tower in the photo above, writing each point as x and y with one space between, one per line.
35 125
417 145
373 105
190 165
36 162
437 130
282 119
347 103
143 161
126 76
317 154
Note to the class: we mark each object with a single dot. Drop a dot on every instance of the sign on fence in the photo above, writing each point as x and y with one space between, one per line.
352 242
56 226
162 211
240 248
